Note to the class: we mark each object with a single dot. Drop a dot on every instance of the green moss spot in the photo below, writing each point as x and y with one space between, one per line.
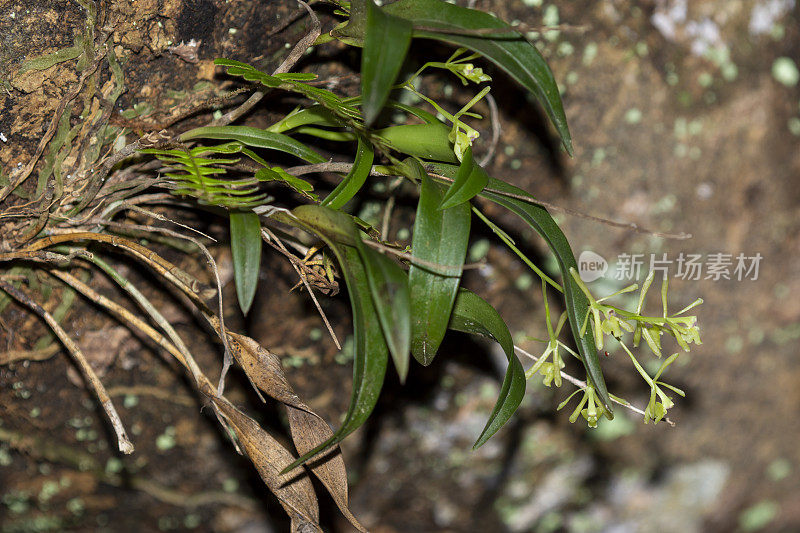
729 71
758 516
130 401
734 344
191 521
550 17
166 440
230 485
479 250
523 282
565 49
5 457
779 469
572 77
48 490
76 506
794 126
589 53
114 466
633 116
784 70
705 79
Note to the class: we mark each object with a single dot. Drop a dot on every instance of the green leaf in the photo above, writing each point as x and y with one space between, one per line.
293 82
315 115
439 244
470 180
506 49
385 46
388 285
191 174
299 185
576 303
246 251
426 141
472 314
371 353
257 138
355 179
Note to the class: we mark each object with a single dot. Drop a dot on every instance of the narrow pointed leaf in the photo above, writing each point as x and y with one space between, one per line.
388 285
426 141
506 49
472 314
470 180
315 115
355 179
246 252
576 303
371 353
256 138
386 44
440 238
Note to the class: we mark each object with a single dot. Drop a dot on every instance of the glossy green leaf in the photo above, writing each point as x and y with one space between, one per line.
388 285
256 138
472 314
355 179
315 115
506 49
246 251
470 180
371 353
440 244
386 44
576 303
426 141
328 135
299 185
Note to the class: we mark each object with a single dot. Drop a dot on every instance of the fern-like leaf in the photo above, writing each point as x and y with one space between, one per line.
192 173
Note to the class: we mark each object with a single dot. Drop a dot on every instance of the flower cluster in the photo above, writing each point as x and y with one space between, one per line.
610 320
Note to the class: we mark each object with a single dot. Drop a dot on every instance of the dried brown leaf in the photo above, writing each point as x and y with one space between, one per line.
293 490
308 429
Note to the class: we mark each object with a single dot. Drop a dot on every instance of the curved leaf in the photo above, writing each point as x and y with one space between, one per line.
371 354
257 138
472 314
388 284
426 141
470 180
440 243
316 115
385 46
355 179
576 303
507 49
246 251
295 493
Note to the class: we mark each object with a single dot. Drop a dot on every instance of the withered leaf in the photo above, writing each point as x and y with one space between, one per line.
308 429
293 490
